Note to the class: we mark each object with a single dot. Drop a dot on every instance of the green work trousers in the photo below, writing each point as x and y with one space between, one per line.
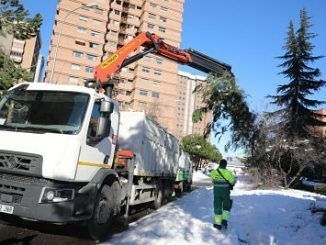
222 203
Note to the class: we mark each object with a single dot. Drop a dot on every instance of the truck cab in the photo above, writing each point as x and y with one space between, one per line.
56 142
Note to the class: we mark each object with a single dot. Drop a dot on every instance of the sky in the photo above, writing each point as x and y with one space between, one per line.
247 34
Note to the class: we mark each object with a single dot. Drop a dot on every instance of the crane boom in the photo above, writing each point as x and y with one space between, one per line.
152 43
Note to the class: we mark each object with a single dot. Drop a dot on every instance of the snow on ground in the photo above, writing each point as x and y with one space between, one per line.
258 217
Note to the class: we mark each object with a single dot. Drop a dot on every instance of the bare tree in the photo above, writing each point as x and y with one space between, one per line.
291 156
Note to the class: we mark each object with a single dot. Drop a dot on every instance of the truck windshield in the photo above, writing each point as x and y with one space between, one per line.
43 111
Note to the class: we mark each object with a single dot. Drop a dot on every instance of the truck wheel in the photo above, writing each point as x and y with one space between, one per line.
189 186
99 225
159 197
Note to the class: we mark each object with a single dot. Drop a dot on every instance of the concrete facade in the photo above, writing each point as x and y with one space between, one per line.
90 35
24 53
320 131
188 102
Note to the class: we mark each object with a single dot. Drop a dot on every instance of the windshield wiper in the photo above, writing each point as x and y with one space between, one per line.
54 130
35 129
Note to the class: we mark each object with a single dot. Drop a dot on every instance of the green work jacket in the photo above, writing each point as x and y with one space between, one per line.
219 181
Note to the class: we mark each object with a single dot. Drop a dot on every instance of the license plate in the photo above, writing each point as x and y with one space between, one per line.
6 209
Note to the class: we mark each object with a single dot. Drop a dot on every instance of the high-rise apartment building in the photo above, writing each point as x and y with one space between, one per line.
88 35
23 53
188 102
320 131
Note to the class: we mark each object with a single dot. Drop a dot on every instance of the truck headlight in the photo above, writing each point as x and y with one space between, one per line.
57 195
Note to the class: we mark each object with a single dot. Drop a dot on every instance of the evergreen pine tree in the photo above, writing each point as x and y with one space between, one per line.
297 109
14 19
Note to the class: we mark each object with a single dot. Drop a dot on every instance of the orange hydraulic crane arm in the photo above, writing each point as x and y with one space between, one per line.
153 44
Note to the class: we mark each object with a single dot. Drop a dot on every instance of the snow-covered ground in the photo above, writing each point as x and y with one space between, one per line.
258 217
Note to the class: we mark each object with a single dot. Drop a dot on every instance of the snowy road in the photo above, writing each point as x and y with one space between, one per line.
258 217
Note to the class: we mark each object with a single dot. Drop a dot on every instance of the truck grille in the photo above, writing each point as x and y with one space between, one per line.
13 187
11 193
20 163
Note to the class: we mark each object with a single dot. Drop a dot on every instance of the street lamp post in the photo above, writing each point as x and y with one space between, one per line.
90 6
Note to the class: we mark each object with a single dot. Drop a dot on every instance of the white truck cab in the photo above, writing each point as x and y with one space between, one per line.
54 141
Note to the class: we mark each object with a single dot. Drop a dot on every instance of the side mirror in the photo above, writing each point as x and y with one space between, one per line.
107 107
104 125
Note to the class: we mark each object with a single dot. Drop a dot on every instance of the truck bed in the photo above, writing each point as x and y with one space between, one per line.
156 150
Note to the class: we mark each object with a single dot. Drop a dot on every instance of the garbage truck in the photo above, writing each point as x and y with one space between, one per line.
67 154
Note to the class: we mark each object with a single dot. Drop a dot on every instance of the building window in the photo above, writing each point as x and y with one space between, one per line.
94 45
142 105
117 12
164 9
95 34
81 43
75 67
111 43
161 29
113 33
159 61
121 91
147 58
99 11
118 2
150 26
89 69
163 19
83 18
91 57
97 22
131 6
143 92
114 22
73 79
153 5
155 95
81 30
130 16
158 73
156 84
77 54
146 70
151 16
13 53
143 80
18 45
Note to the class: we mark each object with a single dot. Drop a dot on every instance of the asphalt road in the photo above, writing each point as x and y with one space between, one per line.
23 232
15 231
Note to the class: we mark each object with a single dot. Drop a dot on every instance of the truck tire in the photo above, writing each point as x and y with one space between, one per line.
189 186
99 225
159 197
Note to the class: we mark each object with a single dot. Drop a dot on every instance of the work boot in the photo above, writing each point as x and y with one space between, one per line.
219 227
225 223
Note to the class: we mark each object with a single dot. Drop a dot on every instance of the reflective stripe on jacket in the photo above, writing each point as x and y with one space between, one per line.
218 180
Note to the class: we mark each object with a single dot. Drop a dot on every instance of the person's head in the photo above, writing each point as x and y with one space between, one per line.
223 163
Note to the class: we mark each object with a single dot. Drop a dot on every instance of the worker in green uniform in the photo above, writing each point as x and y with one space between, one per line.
223 181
